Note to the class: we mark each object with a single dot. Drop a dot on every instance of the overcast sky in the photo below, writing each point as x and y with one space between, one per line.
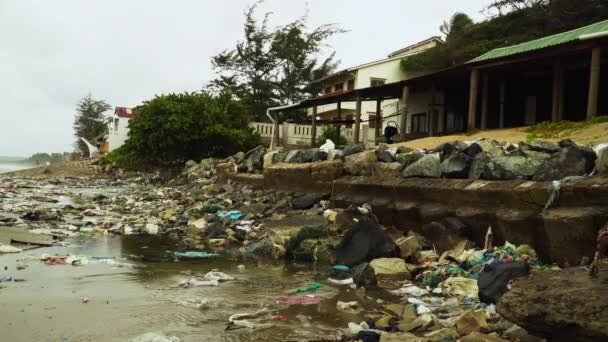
52 53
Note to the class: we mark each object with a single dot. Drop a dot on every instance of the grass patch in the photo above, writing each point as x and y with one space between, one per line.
552 130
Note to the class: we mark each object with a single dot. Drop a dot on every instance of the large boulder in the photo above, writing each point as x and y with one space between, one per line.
540 146
350 150
365 241
449 148
560 305
491 147
506 168
385 156
570 161
279 157
313 155
601 164
254 160
478 165
387 169
408 158
428 166
360 164
294 156
457 165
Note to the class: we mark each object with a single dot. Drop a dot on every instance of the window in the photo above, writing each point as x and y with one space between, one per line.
419 123
339 87
327 90
375 82
372 119
350 85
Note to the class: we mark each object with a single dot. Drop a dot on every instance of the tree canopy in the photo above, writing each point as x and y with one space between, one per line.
518 21
179 127
271 67
89 122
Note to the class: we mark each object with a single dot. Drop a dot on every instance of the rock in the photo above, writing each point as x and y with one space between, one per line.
360 164
409 246
313 155
570 161
408 158
254 159
401 337
491 147
540 146
427 166
294 157
473 150
478 337
307 201
151 228
315 250
442 335
566 143
350 150
560 305
456 166
494 280
363 242
449 148
390 268
383 170
403 149
279 157
385 156
507 168
517 333
363 275
601 163
217 243
478 165
471 321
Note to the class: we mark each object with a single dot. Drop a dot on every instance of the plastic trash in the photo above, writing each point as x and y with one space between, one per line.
347 306
194 254
341 268
155 337
215 275
5 278
240 319
193 282
494 280
233 214
291 300
460 286
411 290
310 288
348 281
328 146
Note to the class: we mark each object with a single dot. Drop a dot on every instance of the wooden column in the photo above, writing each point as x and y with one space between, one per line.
403 125
275 130
484 101
357 120
502 99
313 129
594 82
378 120
473 98
556 92
431 116
339 118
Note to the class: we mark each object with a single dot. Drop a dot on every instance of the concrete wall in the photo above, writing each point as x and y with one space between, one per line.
118 132
515 209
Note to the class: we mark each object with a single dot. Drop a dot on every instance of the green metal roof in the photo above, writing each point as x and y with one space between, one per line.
545 42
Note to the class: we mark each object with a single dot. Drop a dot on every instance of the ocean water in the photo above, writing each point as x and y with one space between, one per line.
9 167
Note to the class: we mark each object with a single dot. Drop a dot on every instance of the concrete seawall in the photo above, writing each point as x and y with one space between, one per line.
564 233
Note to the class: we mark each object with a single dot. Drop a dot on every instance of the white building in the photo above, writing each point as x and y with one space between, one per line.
383 71
118 127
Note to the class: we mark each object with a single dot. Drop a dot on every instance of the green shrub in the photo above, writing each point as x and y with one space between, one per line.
179 127
331 132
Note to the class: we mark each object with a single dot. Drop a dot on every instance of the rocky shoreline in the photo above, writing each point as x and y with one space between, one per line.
446 290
